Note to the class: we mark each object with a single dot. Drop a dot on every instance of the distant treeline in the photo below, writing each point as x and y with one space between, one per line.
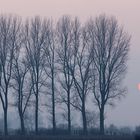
63 63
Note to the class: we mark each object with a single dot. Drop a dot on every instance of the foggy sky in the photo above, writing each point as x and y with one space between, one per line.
127 111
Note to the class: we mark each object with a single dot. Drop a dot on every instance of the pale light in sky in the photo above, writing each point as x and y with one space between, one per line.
127 13
139 86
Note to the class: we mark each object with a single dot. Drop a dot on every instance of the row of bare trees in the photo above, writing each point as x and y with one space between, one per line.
67 60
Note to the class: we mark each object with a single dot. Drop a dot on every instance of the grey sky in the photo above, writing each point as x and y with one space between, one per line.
127 111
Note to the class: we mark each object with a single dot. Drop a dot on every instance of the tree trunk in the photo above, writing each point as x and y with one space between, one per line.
84 119
36 114
5 108
53 113
22 125
69 113
53 105
102 120
5 122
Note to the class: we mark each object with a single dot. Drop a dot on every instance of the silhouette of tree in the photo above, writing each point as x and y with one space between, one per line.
81 73
21 85
9 35
65 51
110 46
50 69
35 40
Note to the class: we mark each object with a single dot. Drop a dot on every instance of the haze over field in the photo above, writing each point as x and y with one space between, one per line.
127 111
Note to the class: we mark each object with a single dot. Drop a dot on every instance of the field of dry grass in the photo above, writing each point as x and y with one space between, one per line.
67 138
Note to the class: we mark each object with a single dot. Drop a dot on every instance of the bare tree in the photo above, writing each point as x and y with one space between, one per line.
50 68
110 46
81 74
35 34
65 52
21 85
9 33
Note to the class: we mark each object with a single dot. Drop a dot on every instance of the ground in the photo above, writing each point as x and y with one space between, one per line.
68 138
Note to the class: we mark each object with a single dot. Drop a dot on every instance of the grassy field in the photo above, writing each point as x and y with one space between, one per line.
67 138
